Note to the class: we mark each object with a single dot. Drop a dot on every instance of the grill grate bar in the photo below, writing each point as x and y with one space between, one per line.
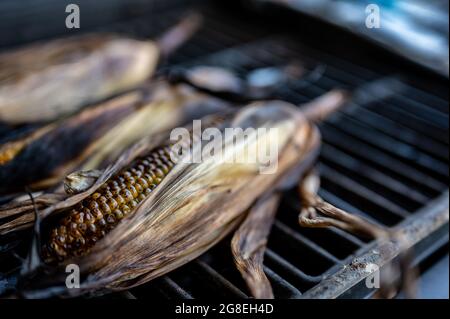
413 121
281 288
383 161
201 280
302 240
171 290
335 75
429 100
400 132
127 295
291 273
207 272
429 114
388 184
390 145
383 206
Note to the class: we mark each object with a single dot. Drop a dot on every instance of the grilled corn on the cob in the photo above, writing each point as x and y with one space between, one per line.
193 207
95 216
45 81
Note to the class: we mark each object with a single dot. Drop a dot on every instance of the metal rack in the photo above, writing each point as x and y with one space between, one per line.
383 157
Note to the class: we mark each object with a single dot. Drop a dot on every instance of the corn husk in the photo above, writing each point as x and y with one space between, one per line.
45 81
107 130
249 244
195 206
55 149
97 135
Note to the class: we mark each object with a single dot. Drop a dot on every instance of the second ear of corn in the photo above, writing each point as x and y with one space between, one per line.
45 81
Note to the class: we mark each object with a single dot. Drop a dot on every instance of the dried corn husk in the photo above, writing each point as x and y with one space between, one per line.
168 106
97 135
194 206
249 244
52 151
45 81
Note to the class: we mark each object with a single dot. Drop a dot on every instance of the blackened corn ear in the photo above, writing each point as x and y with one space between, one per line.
99 213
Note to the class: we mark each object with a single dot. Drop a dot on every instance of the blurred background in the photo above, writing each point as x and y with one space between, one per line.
415 29
386 158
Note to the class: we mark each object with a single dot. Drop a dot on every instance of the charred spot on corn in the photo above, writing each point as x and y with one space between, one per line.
99 213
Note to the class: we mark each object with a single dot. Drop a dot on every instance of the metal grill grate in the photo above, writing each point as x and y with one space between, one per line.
382 158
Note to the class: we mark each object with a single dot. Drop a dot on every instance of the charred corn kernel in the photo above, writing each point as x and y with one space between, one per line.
99 213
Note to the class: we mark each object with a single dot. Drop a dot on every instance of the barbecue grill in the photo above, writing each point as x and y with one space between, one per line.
384 157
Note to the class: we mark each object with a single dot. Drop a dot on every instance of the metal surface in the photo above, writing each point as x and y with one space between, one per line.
430 221
384 157
414 29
